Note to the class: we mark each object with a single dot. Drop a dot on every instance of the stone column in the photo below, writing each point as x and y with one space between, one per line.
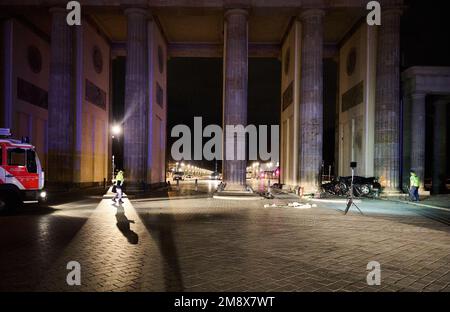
6 80
61 100
235 97
418 126
439 145
136 126
311 100
387 102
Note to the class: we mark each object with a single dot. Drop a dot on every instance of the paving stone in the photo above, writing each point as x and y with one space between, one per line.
218 245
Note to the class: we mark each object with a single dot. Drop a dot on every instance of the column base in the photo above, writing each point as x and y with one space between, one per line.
236 192
393 193
441 190
309 191
237 195
136 187
234 187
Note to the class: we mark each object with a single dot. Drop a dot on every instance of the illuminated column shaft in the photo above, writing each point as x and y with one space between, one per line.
387 103
440 145
418 135
311 100
235 95
61 100
136 89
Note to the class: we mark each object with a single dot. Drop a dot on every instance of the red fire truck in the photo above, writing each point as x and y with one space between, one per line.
21 174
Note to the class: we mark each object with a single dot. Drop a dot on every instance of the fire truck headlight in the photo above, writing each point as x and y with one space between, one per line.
43 194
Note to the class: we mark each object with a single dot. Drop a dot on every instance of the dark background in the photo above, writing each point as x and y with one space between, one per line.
425 33
425 41
195 89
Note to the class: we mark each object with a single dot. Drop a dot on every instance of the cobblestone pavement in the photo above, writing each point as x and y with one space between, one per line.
205 244
32 239
440 201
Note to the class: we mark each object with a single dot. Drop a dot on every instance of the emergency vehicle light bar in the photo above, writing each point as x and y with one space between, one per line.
5 132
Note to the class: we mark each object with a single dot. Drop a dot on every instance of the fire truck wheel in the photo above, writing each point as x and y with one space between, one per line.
2 204
8 203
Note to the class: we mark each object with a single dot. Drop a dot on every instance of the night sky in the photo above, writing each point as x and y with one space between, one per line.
195 89
195 84
425 34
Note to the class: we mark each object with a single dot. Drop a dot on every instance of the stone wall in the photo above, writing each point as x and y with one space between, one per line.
357 77
158 105
26 71
290 83
25 85
93 105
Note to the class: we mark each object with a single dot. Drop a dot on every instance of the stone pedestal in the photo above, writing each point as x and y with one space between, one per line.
61 101
136 126
387 102
418 135
439 145
235 97
311 102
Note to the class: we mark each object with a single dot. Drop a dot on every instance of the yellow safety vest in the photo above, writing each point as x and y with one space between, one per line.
119 177
414 180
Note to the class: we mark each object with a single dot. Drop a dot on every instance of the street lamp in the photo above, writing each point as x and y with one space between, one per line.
116 130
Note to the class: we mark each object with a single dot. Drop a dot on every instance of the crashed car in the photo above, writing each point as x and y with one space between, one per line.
362 187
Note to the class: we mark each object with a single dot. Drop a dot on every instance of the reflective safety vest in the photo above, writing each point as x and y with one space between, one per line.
414 180
119 178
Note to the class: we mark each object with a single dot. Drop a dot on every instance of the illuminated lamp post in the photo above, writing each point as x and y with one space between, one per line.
116 130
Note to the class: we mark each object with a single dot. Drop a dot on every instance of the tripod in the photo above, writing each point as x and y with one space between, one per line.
350 199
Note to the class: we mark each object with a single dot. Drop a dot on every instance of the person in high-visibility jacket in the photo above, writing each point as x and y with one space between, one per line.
414 183
118 182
